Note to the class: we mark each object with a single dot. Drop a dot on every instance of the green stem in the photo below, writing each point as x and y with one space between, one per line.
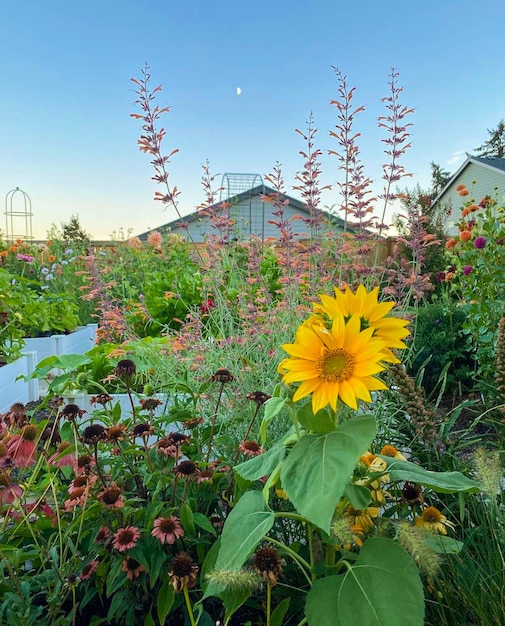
188 606
300 561
269 602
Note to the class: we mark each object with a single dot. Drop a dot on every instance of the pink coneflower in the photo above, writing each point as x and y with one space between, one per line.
78 498
89 569
205 476
132 568
250 448
9 491
103 534
126 538
112 497
22 447
83 464
168 449
167 529
62 459
84 481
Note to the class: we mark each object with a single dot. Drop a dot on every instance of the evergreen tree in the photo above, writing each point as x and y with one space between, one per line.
495 145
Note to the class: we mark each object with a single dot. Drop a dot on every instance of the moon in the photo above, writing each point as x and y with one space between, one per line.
239 91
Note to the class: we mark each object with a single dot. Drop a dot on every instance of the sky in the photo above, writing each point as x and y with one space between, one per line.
68 141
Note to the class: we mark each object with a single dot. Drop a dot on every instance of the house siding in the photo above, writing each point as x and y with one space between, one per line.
480 182
251 217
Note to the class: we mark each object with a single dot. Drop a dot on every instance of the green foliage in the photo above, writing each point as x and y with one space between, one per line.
440 348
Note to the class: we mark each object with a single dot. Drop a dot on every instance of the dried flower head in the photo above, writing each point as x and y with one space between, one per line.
267 563
126 368
186 469
222 376
94 433
412 493
183 573
72 412
143 430
116 433
101 398
150 404
258 396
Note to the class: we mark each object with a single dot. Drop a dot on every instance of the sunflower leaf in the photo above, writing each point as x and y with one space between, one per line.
368 592
441 482
317 470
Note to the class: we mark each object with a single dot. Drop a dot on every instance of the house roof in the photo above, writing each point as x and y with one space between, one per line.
496 164
245 195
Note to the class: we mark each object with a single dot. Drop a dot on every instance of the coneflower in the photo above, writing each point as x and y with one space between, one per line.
22 447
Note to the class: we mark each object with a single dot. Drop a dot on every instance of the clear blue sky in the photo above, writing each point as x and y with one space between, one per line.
66 137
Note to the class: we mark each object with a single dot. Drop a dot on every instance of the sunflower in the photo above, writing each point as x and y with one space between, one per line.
372 314
340 362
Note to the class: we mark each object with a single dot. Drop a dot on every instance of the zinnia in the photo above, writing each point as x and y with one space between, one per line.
480 242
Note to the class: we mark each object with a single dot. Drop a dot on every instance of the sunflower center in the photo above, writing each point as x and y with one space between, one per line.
335 365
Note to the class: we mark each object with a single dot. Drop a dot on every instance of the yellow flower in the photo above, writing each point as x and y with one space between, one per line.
332 364
433 520
372 314
361 519
392 452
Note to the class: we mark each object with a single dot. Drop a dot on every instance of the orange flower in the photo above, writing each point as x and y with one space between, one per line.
460 187
13 249
51 258
464 192
450 243
4 253
449 276
465 211
465 235
473 207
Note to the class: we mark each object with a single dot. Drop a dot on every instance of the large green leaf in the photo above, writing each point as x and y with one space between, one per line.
318 468
262 465
249 521
272 407
442 482
382 588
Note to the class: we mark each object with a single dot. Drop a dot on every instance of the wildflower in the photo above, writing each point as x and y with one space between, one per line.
81 482
22 447
222 376
132 568
465 235
250 448
126 538
464 192
460 187
16 415
449 276
372 314
112 496
167 529
183 573
480 242
155 239
72 411
143 430
412 493
62 458
392 452
134 242
267 563
91 435
89 569
332 364
83 464
468 269
116 433
433 520
207 305
361 519
450 243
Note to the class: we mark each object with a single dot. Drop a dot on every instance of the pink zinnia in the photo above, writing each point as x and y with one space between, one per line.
126 538
167 529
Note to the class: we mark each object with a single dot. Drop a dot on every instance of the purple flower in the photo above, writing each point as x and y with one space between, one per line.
467 270
480 242
499 241
25 257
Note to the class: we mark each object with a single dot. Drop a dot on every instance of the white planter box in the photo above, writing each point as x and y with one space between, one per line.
77 342
12 390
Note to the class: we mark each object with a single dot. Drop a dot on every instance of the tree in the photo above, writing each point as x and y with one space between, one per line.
495 145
